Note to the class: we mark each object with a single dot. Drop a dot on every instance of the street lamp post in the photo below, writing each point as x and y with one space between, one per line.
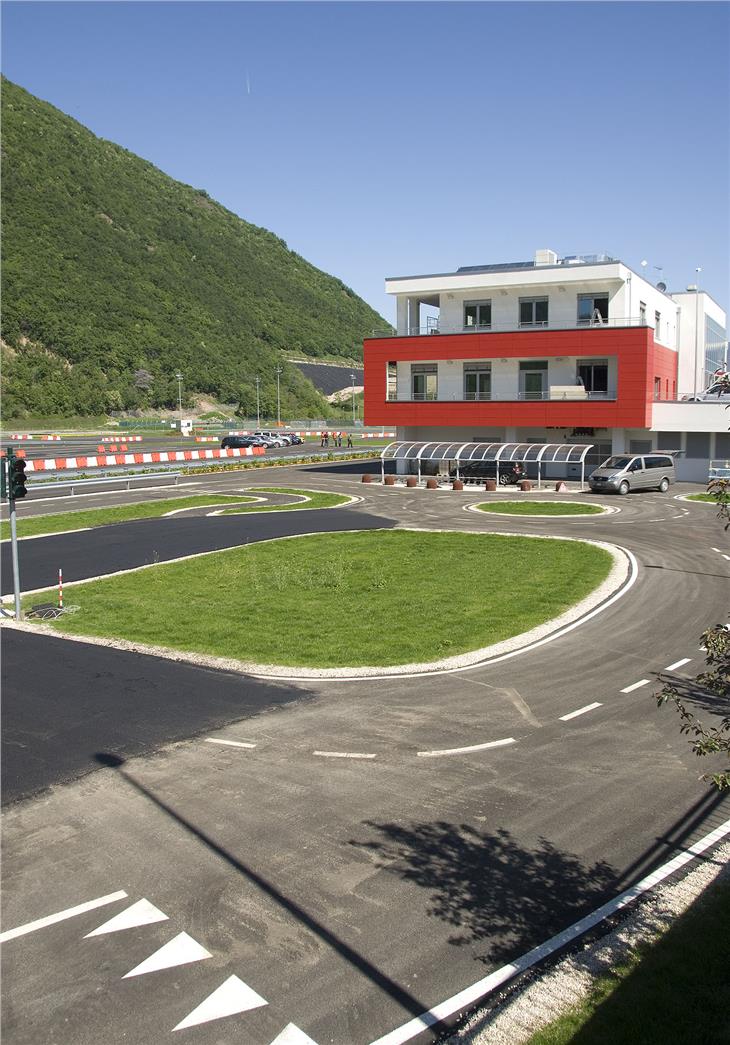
352 379
258 402
179 377
279 372
697 326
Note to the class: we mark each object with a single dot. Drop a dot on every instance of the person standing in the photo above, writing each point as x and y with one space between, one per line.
349 440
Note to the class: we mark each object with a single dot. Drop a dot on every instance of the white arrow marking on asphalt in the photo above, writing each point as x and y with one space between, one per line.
291 1035
140 913
231 997
181 950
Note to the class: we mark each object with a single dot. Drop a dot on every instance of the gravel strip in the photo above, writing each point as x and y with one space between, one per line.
516 1015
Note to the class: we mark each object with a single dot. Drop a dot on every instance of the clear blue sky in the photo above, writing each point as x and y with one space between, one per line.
383 139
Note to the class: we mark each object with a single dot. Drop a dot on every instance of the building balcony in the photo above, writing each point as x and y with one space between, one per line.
561 395
439 326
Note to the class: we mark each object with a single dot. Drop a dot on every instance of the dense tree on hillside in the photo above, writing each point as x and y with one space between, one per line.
111 268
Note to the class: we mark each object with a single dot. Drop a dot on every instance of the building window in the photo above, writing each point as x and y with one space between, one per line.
642 313
715 351
533 312
592 309
657 324
391 381
657 387
477 381
424 382
477 314
533 379
593 375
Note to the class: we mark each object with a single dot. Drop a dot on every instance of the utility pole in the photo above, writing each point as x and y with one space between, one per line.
258 402
352 379
179 377
279 372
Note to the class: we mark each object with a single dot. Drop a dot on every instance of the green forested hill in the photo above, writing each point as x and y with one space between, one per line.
115 276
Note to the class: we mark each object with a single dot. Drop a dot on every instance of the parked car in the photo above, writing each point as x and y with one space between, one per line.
476 471
294 439
270 438
238 442
717 392
624 472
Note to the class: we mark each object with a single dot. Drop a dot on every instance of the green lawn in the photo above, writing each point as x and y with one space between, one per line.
77 520
315 500
381 597
675 991
707 497
539 508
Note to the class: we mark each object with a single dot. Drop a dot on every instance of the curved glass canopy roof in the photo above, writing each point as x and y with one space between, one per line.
574 453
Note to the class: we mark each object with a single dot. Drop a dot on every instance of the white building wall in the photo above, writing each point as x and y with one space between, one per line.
560 284
691 375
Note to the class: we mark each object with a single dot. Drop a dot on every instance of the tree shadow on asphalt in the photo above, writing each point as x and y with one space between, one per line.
697 698
500 896
503 898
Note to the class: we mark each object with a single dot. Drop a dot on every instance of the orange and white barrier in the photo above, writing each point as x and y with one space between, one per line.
57 464
206 438
121 438
45 438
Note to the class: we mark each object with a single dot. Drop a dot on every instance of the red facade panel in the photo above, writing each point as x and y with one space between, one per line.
639 362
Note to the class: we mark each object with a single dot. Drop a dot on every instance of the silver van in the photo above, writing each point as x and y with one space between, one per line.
626 472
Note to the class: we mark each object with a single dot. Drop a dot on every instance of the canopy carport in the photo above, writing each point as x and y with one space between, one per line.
499 454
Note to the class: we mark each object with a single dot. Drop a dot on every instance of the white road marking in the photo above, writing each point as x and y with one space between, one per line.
38 536
342 754
140 913
678 664
725 556
181 950
462 750
70 912
470 995
636 685
580 711
228 743
231 997
291 1035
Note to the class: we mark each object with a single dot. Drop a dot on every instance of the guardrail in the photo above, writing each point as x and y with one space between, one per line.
56 485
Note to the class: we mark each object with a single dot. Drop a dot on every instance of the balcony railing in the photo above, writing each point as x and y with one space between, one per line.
501 397
442 327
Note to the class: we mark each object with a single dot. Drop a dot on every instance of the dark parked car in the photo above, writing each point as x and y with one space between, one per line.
294 439
238 442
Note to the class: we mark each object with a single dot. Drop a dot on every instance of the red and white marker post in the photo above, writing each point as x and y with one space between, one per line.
60 589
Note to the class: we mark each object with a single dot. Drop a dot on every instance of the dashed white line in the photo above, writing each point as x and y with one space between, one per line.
342 754
580 711
463 750
678 664
70 912
481 988
636 685
228 743
717 550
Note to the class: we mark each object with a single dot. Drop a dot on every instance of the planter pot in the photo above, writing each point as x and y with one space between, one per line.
490 485
390 480
367 478
411 481
457 485
432 484
525 485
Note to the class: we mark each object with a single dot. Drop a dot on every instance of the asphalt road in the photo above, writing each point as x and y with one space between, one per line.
349 893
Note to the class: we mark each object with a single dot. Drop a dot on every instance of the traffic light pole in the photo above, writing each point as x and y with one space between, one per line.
13 533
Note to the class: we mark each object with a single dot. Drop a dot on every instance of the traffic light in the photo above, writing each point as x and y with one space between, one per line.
16 478
3 480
